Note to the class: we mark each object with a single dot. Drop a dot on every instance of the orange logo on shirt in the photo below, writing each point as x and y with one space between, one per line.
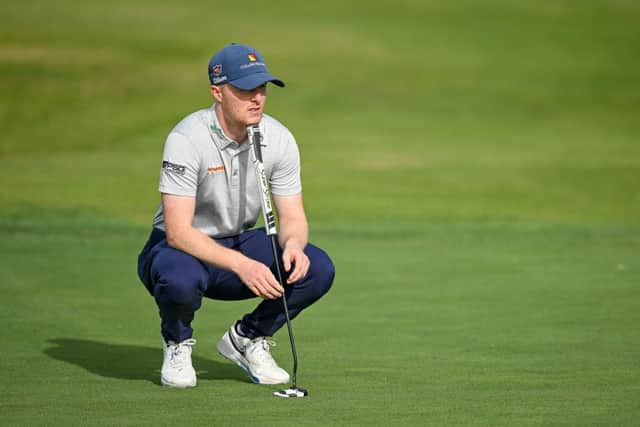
215 169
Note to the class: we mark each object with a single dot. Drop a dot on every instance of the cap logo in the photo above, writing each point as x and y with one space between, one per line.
252 57
217 70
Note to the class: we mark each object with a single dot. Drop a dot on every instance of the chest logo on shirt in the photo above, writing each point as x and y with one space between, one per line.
215 169
215 129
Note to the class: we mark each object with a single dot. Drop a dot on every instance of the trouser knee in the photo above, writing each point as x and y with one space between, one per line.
321 272
178 282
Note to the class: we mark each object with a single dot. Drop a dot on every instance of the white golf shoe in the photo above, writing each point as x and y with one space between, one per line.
177 370
252 355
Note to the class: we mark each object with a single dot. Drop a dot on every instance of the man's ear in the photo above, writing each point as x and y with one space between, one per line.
216 92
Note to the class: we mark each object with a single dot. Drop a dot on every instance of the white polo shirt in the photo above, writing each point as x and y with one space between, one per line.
200 161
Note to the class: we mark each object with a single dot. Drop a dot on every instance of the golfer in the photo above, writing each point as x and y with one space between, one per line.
203 243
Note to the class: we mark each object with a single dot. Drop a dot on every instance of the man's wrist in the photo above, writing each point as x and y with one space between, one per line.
293 244
236 261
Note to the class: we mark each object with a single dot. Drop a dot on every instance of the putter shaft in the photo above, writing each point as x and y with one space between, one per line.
254 137
286 313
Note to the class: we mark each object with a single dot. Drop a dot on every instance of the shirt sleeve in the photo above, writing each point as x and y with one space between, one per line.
180 166
285 178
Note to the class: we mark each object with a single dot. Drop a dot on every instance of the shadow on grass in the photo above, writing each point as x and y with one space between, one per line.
132 362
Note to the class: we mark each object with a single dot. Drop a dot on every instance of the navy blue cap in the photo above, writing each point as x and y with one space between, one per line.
241 66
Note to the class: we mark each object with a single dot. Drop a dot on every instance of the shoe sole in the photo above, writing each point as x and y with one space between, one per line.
225 348
166 383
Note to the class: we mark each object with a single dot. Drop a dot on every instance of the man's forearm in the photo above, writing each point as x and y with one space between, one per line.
196 243
293 234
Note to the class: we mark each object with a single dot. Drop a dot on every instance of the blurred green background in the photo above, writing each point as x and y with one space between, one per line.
472 167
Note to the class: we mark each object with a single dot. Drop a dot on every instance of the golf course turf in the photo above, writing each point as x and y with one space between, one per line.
472 168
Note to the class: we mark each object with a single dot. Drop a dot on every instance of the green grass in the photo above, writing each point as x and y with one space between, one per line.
429 324
472 168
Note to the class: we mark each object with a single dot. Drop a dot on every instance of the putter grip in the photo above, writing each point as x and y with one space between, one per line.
253 132
254 139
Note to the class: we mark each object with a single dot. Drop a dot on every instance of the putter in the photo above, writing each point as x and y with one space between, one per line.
255 139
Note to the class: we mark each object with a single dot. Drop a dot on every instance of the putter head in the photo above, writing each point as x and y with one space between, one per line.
292 392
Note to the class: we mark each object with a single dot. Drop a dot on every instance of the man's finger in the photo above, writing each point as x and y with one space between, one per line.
269 292
276 291
286 261
300 270
295 274
273 284
259 291
296 267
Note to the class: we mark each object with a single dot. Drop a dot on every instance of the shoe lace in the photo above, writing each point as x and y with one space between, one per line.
261 350
180 352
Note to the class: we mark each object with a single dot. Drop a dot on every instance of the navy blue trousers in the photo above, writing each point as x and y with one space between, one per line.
179 281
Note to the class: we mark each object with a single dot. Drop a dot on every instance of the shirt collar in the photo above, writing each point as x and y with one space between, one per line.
219 137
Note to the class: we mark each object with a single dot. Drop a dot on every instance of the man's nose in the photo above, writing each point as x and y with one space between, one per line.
258 94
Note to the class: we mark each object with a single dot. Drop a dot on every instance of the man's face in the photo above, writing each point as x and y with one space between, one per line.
241 107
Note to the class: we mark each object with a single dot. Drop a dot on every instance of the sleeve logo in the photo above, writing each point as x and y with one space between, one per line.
173 168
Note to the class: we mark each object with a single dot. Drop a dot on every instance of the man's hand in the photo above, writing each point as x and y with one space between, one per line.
259 279
294 256
293 236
